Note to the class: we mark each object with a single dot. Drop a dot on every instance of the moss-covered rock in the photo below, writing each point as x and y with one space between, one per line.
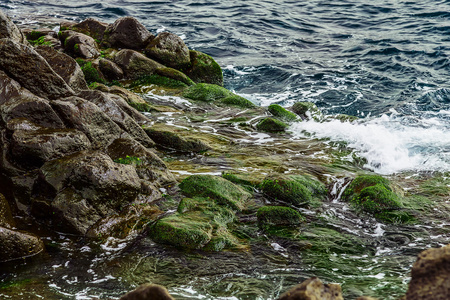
204 69
282 113
307 110
206 92
175 75
215 187
158 80
371 193
169 49
271 125
239 101
279 216
91 73
169 139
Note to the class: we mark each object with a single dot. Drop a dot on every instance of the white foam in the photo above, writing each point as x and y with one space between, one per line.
390 144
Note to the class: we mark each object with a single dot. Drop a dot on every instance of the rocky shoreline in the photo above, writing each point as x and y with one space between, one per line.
111 132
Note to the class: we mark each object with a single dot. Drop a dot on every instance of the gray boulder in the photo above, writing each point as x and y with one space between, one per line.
135 64
110 70
91 27
23 64
169 49
127 32
79 44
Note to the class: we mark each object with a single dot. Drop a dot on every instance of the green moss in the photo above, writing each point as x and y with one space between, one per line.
175 75
396 217
280 187
40 41
91 74
271 125
239 101
240 179
129 160
206 92
361 182
281 113
279 216
217 188
172 140
158 80
204 69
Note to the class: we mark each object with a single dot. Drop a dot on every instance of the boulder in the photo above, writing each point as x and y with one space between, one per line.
65 66
134 100
170 50
110 70
430 275
79 44
282 113
15 244
148 292
271 125
127 32
279 216
9 30
119 116
76 191
88 118
313 289
204 69
90 27
23 64
135 64
6 218
307 110
34 34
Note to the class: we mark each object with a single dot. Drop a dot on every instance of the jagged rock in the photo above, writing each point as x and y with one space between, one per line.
430 275
88 118
204 69
148 165
78 190
23 64
127 32
169 49
148 292
65 66
313 289
30 149
15 244
110 70
34 34
132 100
17 102
6 218
79 44
135 64
9 30
119 116
90 26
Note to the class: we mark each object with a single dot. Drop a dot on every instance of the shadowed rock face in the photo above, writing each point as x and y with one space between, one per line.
15 244
313 289
430 275
127 32
148 292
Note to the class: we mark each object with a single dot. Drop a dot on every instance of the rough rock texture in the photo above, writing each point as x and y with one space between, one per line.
23 64
89 118
204 69
65 66
91 27
9 30
135 64
127 32
15 244
313 289
166 138
6 218
169 49
79 44
110 70
83 188
148 292
430 275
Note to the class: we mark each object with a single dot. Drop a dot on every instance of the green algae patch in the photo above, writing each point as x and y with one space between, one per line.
296 190
172 140
279 216
206 92
246 180
175 75
372 193
158 80
282 113
238 101
271 125
204 69
91 74
215 187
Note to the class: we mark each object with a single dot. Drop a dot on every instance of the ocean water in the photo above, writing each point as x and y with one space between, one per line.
384 61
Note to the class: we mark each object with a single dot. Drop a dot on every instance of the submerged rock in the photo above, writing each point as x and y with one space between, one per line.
148 292
271 125
313 289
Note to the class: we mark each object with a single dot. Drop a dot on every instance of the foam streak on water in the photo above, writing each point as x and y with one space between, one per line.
390 143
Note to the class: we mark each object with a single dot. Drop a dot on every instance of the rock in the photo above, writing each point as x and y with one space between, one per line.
91 71
6 218
217 188
9 30
116 114
281 113
65 66
313 289
279 216
88 118
430 278
90 27
122 101
34 34
235 100
206 92
30 149
15 244
20 103
271 125
133 100
83 188
110 70
307 110
169 49
135 64
148 292
79 45
147 164
31 70
127 32
204 69
175 75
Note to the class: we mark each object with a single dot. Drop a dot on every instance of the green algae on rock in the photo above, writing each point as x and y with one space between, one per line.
215 187
282 113
204 69
238 101
206 92
279 216
271 125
